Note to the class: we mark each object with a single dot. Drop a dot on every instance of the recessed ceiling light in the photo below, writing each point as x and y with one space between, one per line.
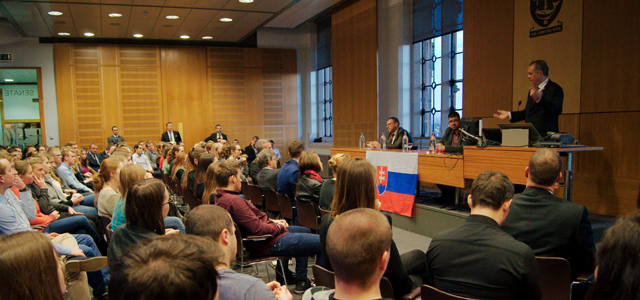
115 15
184 36
8 80
226 20
172 17
246 1
89 34
55 13
138 35
64 33
207 37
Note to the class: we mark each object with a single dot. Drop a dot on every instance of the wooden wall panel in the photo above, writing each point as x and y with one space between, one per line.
488 57
355 63
609 56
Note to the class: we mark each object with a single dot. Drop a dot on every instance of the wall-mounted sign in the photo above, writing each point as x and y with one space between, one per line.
544 13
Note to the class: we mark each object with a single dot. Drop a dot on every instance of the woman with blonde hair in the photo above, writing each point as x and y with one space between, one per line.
356 187
106 185
190 166
328 188
309 182
210 186
171 155
177 172
30 268
129 176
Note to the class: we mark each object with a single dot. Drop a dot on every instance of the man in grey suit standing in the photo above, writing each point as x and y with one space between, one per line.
115 138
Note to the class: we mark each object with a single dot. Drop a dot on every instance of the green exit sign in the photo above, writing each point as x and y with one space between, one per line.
6 57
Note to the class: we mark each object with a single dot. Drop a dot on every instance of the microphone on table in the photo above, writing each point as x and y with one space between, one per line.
471 135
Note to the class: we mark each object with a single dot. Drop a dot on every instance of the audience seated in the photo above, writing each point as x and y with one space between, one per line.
142 160
292 241
214 222
478 259
254 169
310 182
210 186
329 186
21 255
84 163
191 165
551 226
171 155
115 138
94 159
68 159
251 151
107 183
205 160
356 188
289 174
359 263
236 155
151 154
267 178
225 152
173 267
617 273
177 172
146 206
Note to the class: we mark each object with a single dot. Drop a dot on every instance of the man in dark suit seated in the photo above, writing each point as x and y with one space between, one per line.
115 138
94 158
478 259
251 151
171 136
551 226
218 135
452 142
544 101
267 177
395 136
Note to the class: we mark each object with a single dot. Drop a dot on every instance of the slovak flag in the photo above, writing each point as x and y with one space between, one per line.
397 174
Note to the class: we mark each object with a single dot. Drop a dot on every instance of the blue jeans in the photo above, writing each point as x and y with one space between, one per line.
299 243
76 225
87 210
88 199
97 280
174 223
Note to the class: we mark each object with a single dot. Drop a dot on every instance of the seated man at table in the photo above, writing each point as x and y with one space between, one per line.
551 226
478 259
451 142
395 136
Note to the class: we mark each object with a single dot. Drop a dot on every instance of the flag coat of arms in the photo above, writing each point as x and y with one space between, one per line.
397 174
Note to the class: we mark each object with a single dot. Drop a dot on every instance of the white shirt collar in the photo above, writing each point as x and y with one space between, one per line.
543 84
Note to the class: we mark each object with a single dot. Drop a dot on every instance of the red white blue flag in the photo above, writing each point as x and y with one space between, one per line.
397 178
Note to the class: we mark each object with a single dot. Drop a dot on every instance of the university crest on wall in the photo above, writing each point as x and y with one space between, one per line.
544 13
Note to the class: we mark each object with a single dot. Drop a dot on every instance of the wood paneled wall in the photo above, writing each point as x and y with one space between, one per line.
355 72
140 88
604 181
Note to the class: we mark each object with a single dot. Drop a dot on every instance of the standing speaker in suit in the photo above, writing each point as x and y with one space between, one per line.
171 136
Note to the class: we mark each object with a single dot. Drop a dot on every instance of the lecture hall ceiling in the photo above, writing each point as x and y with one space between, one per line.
200 20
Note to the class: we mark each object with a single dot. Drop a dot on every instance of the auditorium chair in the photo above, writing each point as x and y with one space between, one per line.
430 293
324 277
555 277
271 203
244 258
308 214
254 194
106 223
286 210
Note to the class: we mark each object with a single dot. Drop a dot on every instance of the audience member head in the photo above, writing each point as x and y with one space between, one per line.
172 153
254 139
491 195
68 156
149 145
30 268
109 174
217 148
83 157
225 151
191 164
309 161
262 144
358 244
37 165
209 146
7 173
267 158
218 128
210 186
295 148
355 186
545 168
203 163
228 175
16 152
214 222
392 124
235 142
171 267
42 149
178 163
25 171
160 148
130 175
335 161
236 151
618 262
169 126
147 204
93 148
114 130
72 145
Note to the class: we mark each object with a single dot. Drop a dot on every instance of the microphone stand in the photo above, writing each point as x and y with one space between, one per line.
480 142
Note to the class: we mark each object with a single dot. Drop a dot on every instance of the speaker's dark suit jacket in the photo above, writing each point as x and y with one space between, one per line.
251 154
214 137
544 114
397 144
552 227
94 163
176 137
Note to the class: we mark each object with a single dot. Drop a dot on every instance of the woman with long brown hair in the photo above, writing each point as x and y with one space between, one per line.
191 164
356 187
146 206
203 164
30 268
210 186
309 182
177 172
106 185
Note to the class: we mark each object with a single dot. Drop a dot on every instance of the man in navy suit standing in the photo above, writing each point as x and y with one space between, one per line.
544 101
171 136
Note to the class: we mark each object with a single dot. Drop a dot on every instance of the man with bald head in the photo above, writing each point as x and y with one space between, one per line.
358 245
551 226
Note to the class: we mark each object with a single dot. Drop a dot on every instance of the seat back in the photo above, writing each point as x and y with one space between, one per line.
308 215
271 200
431 293
323 277
254 194
286 210
555 277
243 187
106 221
109 231
192 200
386 289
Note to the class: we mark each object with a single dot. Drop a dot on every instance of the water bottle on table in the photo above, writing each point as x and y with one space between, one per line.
362 142
383 142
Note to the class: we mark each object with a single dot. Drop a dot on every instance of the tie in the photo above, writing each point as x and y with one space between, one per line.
393 137
171 136
219 136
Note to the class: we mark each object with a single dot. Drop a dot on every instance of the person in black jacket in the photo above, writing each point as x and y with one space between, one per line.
251 151
218 135
167 135
310 182
544 101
